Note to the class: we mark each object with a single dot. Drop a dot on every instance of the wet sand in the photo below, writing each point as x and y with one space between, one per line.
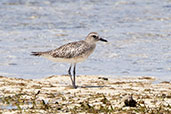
94 94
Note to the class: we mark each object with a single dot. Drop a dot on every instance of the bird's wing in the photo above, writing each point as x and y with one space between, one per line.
71 50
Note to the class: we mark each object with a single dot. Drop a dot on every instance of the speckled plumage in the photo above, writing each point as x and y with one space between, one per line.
72 50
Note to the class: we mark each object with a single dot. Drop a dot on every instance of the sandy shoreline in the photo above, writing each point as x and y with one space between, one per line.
94 94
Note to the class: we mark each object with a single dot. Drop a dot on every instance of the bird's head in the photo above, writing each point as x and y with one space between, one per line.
94 37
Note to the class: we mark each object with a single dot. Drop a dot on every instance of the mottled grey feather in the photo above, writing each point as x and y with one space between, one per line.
72 50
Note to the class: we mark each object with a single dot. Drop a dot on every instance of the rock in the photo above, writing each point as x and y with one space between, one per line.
103 78
130 101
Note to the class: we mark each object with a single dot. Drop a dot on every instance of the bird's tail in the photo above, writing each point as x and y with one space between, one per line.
37 53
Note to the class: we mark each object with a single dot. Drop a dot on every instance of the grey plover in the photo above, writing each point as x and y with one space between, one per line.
73 52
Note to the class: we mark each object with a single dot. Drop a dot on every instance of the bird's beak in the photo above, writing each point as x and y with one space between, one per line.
101 39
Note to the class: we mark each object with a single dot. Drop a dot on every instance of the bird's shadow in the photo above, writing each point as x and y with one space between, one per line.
91 86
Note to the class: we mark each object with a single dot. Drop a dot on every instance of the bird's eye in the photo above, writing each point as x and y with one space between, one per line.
94 36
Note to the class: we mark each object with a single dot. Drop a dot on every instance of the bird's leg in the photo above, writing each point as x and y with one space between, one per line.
74 72
69 72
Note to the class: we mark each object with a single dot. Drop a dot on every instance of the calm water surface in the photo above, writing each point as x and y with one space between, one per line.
138 31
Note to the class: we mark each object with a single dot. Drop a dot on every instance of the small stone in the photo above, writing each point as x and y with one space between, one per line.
130 101
103 78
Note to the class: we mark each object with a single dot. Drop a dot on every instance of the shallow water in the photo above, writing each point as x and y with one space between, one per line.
138 31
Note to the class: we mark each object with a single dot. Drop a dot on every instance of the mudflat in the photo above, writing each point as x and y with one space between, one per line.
95 94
